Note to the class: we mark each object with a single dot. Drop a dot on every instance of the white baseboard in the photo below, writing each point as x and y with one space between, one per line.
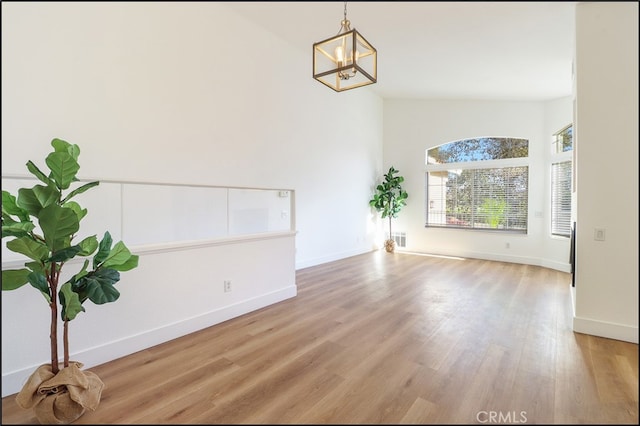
558 266
12 382
605 329
325 259
499 257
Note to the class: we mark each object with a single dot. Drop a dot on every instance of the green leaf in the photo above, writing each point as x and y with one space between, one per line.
63 168
81 273
65 254
88 246
117 256
103 250
33 200
14 278
41 176
80 190
58 224
70 302
99 286
8 220
38 267
129 264
11 228
80 212
39 281
61 145
29 247
10 207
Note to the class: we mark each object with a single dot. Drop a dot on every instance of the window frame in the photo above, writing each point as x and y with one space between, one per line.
476 165
559 157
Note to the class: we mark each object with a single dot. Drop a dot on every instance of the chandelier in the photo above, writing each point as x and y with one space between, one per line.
345 61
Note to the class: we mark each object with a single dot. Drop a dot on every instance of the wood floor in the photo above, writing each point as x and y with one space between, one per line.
383 339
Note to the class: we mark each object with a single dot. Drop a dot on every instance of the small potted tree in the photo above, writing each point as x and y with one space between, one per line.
389 199
43 221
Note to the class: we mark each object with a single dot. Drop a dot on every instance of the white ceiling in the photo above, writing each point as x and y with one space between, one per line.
442 50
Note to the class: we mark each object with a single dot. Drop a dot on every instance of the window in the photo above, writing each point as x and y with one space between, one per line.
563 140
480 183
561 169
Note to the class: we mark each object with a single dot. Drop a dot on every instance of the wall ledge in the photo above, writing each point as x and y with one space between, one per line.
176 246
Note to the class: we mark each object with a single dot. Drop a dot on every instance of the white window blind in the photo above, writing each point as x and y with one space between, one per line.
487 198
561 198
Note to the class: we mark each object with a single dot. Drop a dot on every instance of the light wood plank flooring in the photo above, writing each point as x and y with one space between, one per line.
383 339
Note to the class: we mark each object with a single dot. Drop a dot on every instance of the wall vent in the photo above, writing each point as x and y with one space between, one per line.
400 238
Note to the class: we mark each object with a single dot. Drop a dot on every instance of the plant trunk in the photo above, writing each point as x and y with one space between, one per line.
53 336
390 237
65 338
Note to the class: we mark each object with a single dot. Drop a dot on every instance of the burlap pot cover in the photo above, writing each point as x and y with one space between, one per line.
390 246
60 398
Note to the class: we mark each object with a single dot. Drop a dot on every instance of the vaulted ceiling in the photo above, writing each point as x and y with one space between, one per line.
442 50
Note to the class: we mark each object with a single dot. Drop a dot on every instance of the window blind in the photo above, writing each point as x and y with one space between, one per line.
488 198
561 198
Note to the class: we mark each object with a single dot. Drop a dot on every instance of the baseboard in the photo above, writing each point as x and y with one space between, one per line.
13 382
325 259
524 260
605 329
499 257
558 266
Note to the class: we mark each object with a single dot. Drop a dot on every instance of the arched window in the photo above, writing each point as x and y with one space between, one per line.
480 183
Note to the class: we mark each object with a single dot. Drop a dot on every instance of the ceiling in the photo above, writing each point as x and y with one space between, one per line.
442 50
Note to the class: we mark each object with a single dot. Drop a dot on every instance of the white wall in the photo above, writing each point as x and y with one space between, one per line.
184 93
412 126
173 292
606 80
168 92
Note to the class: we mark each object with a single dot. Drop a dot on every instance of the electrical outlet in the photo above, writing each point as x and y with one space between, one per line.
227 286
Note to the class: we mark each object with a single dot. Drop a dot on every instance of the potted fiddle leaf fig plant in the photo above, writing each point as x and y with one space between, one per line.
43 222
388 200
